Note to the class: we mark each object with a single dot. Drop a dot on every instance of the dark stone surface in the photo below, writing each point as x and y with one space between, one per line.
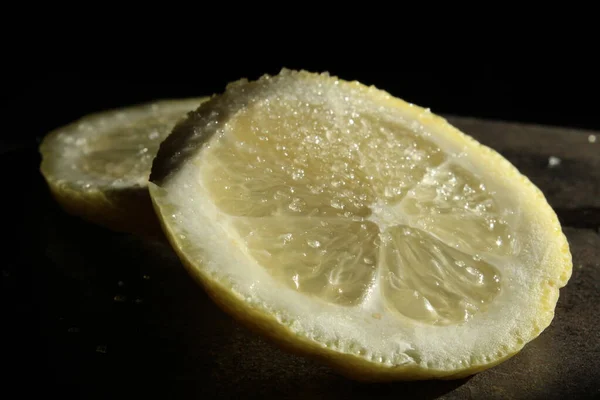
66 335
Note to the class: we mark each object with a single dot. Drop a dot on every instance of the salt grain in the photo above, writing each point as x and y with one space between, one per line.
553 162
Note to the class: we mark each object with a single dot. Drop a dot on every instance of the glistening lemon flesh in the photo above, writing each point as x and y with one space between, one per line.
98 166
351 226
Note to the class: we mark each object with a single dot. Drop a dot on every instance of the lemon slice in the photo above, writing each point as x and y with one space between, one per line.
98 167
351 226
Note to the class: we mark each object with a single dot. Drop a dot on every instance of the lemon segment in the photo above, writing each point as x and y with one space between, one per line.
332 259
431 282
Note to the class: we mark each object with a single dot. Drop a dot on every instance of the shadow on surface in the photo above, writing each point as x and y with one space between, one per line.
123 318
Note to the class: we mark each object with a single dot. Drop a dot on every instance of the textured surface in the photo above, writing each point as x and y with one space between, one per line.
93 314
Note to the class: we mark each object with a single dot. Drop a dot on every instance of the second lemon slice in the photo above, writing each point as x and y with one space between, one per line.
98 166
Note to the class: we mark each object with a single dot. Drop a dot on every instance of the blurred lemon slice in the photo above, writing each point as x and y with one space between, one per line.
98 167
352 226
